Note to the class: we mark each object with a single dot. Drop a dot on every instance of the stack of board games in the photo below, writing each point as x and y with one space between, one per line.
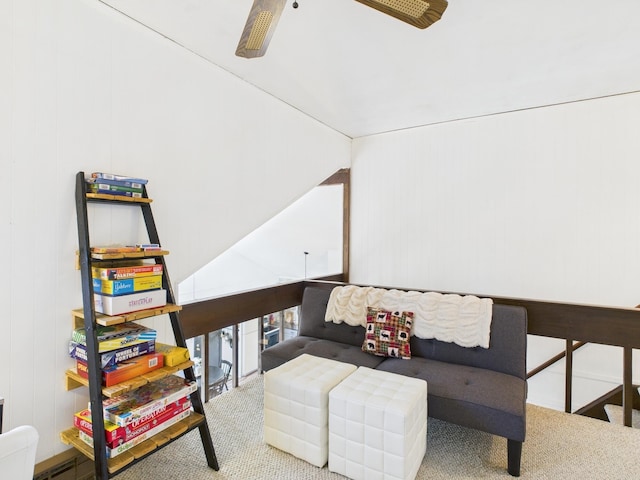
124 289
121 439
119 185
171 354
138 415
126 351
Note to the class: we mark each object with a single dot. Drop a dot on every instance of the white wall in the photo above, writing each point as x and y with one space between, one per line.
538 204
275 251
86 89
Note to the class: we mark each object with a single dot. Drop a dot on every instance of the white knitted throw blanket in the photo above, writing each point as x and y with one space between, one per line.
464 320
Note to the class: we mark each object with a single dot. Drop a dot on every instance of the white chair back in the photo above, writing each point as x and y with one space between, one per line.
18 453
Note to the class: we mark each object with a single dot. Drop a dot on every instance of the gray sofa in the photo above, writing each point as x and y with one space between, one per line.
479 388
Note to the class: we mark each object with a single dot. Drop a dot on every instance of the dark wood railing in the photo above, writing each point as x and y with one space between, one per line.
555 359
220 312
215 313
616 326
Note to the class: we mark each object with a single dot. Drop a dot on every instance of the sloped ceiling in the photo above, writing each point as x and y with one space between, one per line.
362 72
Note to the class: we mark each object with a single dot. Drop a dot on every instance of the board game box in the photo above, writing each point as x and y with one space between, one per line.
126 370
115 249
173 355
130 303
121 273
119 178
127 285
111 357
115 186
116 336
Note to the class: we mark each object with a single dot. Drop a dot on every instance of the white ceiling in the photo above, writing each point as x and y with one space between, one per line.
362 72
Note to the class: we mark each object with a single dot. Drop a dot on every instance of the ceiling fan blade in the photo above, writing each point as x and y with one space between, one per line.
261 24
419 13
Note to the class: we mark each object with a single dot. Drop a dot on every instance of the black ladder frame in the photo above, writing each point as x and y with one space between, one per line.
93 358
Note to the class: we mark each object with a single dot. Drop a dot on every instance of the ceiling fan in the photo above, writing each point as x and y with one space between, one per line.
264 16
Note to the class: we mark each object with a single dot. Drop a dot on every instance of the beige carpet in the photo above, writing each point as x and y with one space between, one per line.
558 446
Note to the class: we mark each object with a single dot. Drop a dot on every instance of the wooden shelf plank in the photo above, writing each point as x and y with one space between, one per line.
129 255
117 198
107 320
74 380
123 256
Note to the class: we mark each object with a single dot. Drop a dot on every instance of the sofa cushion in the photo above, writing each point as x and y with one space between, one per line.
508 345
387 333
280 353
312 323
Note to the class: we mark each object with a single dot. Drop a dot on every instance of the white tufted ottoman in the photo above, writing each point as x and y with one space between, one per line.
296 405
377 425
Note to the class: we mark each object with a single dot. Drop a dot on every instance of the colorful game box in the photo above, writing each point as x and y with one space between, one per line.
110 358
126 370
124 409
173 355
121 273
127 285
116 336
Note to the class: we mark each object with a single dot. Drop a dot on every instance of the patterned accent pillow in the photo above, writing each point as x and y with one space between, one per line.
387 333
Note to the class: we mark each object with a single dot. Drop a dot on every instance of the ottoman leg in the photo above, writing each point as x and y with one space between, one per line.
514 453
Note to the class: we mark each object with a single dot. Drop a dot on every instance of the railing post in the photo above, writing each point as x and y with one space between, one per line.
261 343
236 356
204 378
627 387
568 375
